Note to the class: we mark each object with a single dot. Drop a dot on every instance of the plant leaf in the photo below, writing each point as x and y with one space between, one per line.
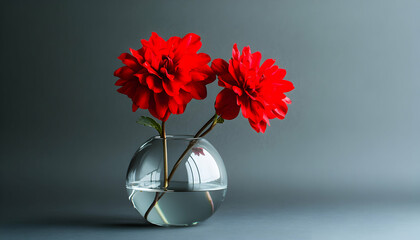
220 120
150 122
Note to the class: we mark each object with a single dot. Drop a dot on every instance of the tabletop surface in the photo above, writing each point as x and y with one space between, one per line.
360 220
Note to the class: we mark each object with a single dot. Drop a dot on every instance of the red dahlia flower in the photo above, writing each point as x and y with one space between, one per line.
163 76
257 90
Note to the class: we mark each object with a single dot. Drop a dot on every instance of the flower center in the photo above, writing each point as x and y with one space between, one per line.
166 65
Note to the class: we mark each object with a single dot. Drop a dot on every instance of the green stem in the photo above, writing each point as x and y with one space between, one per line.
205 125
212 120
165 156
165 169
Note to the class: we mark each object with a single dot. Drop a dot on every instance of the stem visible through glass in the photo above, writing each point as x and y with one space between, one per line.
165 156
200 133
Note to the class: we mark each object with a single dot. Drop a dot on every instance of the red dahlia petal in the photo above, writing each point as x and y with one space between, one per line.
148 55
190 43
280 74
183 76
244 102
278 113
267 64
199 76
124 72
142 97
172 44
252 82
271 71
183 97
258 126
168 75
173 106
235 52
256 58
145 43
246 56
243 72
152 110
154 83
181 108
280 110
237 90
192 61
152 107
137 55
234 71
120 82
201 59
219 66
226 104
129 60
134 107
156 41
226 80
287 100
171 87
257 110
150 69
203 74
128 89
161 101
263 126
285 86
196 89
142 77
176 108
165 118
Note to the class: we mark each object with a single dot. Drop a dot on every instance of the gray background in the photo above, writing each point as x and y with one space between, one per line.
344 162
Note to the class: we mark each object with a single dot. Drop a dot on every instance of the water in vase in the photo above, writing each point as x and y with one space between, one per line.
178 206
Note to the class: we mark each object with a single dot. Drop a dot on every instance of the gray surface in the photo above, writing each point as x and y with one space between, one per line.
326 221
352 131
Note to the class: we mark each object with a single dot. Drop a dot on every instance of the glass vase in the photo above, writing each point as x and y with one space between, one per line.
197 181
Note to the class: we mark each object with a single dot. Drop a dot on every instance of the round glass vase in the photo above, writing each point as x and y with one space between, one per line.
197 181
